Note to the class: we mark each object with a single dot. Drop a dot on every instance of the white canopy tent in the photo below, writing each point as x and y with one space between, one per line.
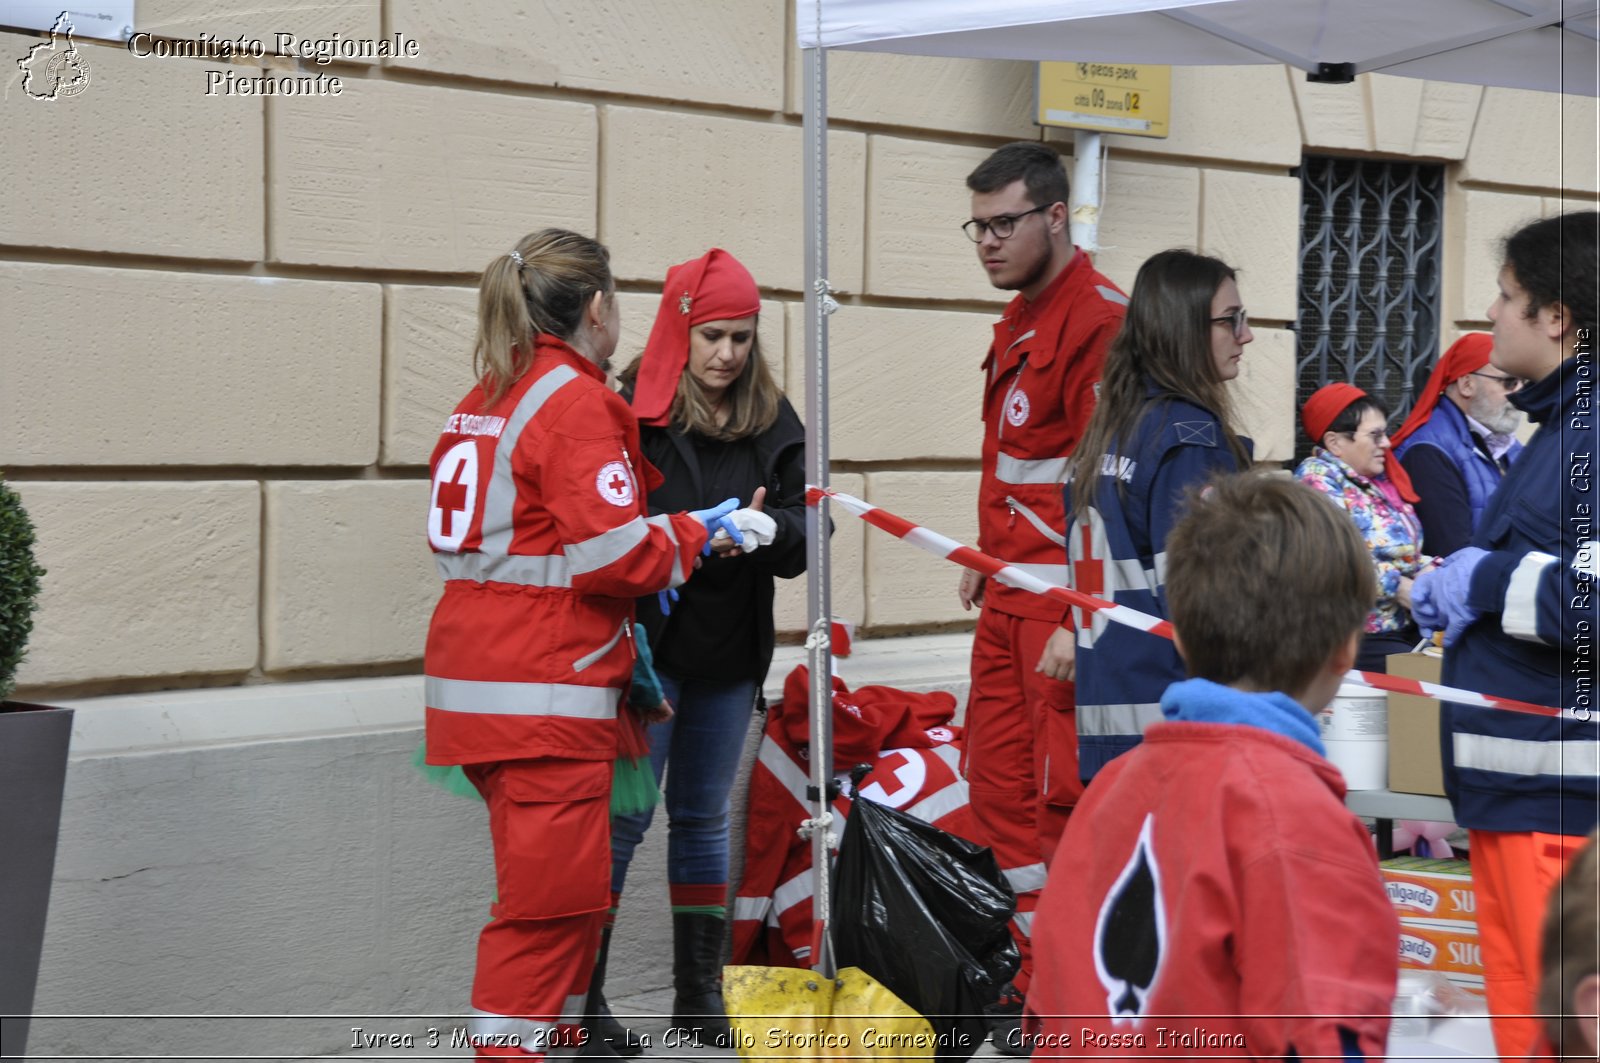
1549 45
1525 44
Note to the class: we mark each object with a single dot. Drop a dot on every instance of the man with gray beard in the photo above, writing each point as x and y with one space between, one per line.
1455 451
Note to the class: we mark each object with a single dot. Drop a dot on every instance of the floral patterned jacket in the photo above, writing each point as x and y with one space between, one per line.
1388 524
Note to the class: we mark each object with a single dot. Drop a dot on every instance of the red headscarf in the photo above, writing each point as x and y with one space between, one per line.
1324 407
1467 355
713 287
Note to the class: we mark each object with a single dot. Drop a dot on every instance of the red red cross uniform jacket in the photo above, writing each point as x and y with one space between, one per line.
914 753
538 523
1042 372
1239 892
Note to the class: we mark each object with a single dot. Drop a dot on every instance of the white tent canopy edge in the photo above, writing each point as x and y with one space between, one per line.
1531 44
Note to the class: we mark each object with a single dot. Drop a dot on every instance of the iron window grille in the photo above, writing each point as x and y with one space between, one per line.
1370 235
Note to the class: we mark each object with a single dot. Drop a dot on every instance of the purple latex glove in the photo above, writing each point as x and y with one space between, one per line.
1439 596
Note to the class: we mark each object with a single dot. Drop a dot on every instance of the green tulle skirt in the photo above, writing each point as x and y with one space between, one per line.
633 784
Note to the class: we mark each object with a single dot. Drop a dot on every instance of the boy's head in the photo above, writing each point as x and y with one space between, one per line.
1268 586
1569 989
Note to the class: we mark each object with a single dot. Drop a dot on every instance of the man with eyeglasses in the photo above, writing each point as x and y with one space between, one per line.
1459 441
1041 375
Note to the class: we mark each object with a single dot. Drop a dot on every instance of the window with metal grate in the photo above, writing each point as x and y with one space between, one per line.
1370 234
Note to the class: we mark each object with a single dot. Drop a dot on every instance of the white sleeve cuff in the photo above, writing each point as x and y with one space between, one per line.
1520 616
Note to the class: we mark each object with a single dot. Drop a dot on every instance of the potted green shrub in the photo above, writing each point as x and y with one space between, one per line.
33 770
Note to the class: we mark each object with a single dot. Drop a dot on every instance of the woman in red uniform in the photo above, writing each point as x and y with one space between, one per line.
538 523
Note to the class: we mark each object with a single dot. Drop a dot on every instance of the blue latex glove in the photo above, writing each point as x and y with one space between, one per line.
1439 596
1423 610
717 517
667 599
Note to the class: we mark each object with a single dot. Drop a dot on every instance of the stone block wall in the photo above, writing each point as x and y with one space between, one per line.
231 325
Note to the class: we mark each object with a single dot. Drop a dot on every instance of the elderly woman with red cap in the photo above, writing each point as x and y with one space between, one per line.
1458 442
1349 463
715 422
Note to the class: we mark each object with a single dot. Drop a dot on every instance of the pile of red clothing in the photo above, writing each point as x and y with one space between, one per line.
915 753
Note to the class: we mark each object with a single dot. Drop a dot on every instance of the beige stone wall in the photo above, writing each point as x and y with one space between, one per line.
231 326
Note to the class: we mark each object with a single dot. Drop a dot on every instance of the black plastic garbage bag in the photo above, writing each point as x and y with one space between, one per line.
926 914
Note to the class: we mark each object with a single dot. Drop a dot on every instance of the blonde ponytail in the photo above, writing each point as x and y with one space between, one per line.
558 274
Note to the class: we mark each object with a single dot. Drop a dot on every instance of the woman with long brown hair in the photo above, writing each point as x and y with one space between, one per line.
714 421
1163 423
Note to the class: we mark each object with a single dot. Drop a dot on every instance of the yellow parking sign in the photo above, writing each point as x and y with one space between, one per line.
1134 99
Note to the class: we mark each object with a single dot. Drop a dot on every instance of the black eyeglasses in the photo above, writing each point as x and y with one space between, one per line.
1510 383
1002 225
1238 321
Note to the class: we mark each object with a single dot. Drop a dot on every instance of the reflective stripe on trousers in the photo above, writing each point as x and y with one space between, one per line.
530 1035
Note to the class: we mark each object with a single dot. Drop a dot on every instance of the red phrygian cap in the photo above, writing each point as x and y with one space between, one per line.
713 287
1324 407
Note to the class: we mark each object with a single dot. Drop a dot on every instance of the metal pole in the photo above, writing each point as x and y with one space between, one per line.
1083 213
819 610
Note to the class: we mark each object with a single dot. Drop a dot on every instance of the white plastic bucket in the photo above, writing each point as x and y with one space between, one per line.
1355 732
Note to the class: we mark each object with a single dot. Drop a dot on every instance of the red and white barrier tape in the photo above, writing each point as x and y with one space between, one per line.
941 546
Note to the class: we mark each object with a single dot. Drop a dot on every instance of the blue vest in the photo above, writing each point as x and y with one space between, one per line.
1447 429
1117 550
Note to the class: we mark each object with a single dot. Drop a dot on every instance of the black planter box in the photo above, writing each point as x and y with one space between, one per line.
33 772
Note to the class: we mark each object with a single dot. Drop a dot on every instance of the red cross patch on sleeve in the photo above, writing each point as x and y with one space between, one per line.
1017 407
614 481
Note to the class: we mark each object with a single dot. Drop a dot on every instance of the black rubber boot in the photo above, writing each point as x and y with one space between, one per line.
1005 1023
697 1007
603 1027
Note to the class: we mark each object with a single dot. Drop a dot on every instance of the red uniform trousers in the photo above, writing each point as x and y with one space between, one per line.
1513 874
1020 759
550 822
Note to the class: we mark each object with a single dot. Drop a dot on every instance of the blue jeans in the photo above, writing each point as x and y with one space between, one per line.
704 740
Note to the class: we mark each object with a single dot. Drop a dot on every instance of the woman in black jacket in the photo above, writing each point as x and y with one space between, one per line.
715 423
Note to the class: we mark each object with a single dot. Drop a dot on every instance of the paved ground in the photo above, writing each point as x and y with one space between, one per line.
648 1013
653 1011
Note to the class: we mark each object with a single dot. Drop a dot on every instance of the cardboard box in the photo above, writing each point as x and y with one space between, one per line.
1452 949
1414 762
1436 890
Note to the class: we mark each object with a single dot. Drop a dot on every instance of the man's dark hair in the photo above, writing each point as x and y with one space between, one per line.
1036 165
1557 261
1266 578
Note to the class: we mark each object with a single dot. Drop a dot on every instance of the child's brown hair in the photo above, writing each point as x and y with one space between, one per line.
1570 948
1266 578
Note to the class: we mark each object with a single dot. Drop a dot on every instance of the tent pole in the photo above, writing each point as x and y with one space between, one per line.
819 611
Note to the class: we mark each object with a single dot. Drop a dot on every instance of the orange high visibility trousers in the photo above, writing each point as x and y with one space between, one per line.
1020 759
1513 874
